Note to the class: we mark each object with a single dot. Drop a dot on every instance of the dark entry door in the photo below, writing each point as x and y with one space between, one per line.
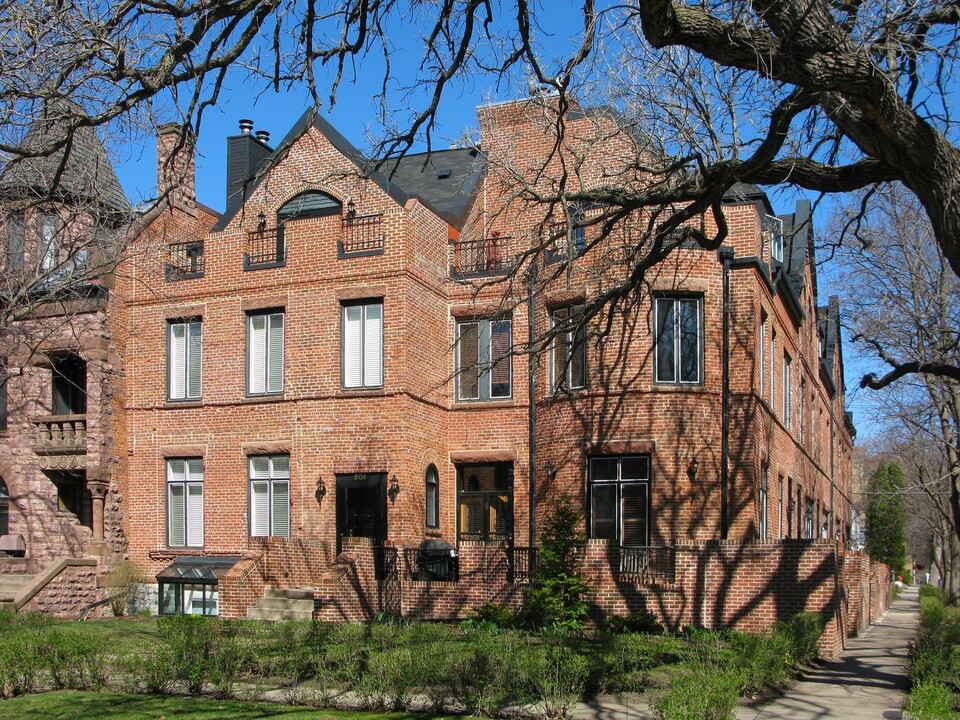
362 507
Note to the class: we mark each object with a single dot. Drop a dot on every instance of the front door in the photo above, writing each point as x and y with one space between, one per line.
362 507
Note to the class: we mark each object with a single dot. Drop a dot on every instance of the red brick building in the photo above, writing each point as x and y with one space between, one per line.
337 371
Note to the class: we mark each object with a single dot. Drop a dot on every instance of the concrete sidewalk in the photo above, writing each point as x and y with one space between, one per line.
864 682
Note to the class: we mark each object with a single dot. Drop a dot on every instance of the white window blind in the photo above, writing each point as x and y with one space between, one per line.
185 360
265 353
362 345
269 495
185 502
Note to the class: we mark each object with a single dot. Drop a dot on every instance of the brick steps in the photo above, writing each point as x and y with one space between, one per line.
283 604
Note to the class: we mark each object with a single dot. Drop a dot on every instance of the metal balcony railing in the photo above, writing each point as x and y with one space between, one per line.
483 256
521 565
647 563
362 235
60 434
184 260
386 563
264 248
435 565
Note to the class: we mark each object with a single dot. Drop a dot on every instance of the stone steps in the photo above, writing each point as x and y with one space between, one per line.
283 604
13 583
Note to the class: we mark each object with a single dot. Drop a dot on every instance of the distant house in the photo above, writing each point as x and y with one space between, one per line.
63 218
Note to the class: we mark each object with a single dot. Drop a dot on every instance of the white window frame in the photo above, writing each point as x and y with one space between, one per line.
763 353
269 481
763 501
485 359
570 343
185 475
677 301
787 395
265 350
361 345
185 359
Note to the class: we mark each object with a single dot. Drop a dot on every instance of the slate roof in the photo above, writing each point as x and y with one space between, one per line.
797 244
85 172
444 181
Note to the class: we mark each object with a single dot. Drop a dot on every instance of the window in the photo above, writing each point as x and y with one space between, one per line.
184 359
270 495
483 360
485 502
678 333
69 383
776 247
762 501
762 357
620 499
4 379
780 509
48 242
802 420
808 521
191 585
185 502
787 409
433 498
568 364
773 370
362 345
265 353
15 241
4 508
567 237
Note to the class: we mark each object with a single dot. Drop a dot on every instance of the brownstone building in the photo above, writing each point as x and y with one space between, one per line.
361 387
63 218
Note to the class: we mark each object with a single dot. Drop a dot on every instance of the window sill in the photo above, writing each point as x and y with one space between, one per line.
680 387
255 399
247 265
361 392
483 404
191 403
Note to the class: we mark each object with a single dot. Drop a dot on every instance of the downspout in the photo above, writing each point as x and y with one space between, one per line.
833 437
726 255
531 281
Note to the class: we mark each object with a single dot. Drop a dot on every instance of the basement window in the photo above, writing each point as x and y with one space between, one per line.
189 586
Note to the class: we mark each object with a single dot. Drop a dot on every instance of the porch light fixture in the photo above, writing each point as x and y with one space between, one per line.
351 209
321 489
394 489
550 470
692 468
261 221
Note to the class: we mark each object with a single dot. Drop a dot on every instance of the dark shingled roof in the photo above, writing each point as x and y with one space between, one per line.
446 194
797 243
85 172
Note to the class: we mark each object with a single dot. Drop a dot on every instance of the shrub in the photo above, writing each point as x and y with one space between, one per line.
554 677
21 662
491 616
701 695
479 675
73 660
935 652
927 590
390 679
930 701
148 670
762 659
804 631
120 582
635 622
622 663
190 640
555 597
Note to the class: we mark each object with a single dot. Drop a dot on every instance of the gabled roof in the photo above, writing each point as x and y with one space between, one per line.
444 180
78 170
748 193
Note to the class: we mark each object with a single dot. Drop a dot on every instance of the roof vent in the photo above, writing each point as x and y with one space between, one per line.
263 136
444 174
246 127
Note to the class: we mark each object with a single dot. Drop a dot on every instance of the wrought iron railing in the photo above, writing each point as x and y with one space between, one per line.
386 563
647 563
486 255
60 434
265 247
362 234
521 564
184 260
427 564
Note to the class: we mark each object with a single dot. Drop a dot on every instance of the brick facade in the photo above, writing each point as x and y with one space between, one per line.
344 443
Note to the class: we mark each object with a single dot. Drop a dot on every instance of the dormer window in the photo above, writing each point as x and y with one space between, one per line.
776 247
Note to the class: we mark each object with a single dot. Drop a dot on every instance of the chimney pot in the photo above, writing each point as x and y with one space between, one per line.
246 127
263 136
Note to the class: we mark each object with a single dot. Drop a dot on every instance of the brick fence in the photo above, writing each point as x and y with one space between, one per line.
744 586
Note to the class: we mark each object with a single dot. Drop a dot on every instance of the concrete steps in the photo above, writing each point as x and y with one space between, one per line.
283 604
13 583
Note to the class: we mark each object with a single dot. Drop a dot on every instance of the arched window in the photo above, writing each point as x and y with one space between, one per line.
309 204
4 508
433 497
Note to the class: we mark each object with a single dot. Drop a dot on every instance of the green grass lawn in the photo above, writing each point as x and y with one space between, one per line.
120 634
67 705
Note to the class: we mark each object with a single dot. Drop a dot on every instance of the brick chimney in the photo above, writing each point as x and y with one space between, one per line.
176 172
247 154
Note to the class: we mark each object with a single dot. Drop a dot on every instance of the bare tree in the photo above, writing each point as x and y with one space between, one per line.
903 301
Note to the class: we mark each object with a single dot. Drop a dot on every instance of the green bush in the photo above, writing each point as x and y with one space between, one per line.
390 679
622 663
554 676
148 670
21 662
635 622
803 630
74 661
935 652
120 582
762 659
927 590
482 674
190 640
490 616
930 701
701 695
